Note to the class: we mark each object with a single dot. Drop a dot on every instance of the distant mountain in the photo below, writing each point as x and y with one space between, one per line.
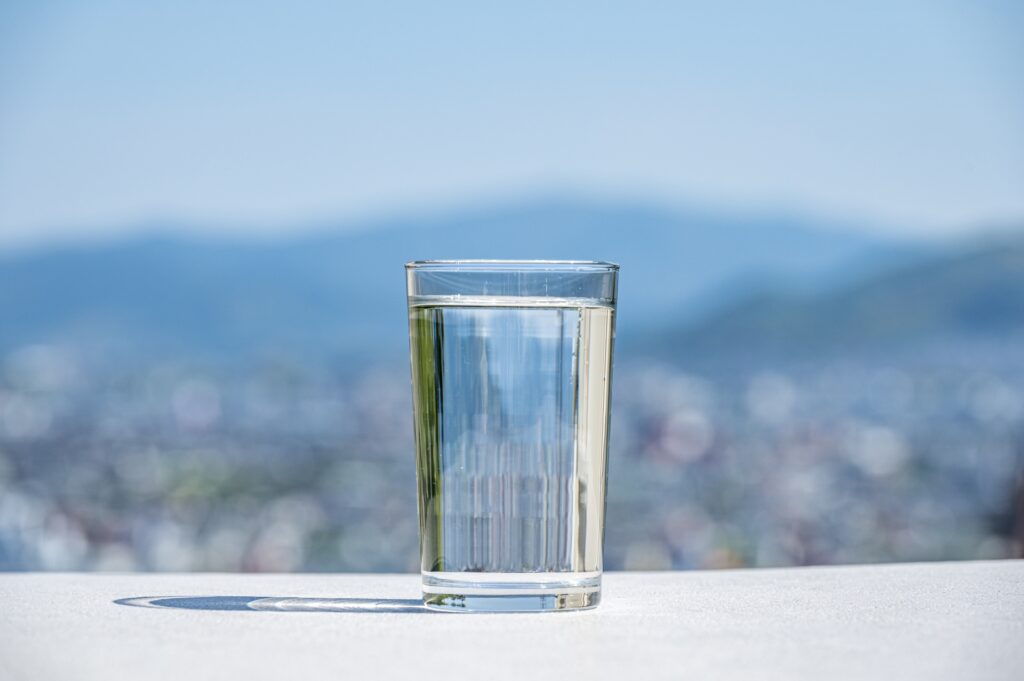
341 290
962 298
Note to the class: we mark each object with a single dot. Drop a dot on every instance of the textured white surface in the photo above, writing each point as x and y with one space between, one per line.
934 621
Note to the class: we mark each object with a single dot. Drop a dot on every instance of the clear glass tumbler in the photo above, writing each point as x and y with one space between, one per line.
511 376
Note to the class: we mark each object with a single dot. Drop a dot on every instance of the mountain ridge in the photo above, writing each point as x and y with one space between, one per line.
957 297
342 291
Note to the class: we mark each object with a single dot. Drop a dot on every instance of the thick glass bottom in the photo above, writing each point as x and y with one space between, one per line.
511 592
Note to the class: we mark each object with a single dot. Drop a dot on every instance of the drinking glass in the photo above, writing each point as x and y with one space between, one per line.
511 377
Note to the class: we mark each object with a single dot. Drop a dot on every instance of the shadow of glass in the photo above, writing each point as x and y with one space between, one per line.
273 604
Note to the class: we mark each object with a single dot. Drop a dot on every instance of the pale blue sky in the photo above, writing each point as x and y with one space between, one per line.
240 114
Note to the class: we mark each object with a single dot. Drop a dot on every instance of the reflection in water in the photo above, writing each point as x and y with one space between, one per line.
275 604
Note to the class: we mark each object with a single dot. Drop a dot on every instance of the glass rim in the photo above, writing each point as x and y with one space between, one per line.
514 265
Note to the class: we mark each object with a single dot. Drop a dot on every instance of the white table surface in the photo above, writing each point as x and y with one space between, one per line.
915 621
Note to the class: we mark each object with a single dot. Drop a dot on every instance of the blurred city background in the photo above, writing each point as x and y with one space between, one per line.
205 209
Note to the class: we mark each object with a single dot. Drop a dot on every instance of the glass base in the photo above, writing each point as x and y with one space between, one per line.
511 592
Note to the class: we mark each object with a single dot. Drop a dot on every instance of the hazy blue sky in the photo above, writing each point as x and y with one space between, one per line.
117 113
